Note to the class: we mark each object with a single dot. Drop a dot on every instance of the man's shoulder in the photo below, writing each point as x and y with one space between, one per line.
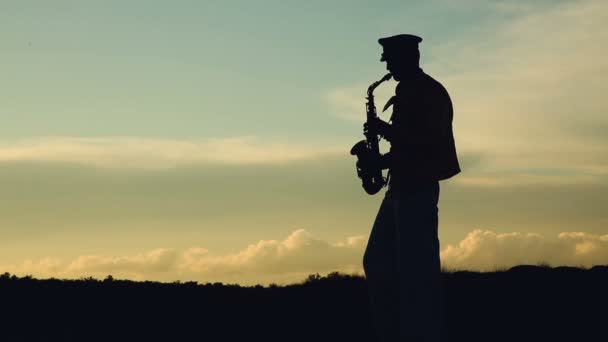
432 85
424 87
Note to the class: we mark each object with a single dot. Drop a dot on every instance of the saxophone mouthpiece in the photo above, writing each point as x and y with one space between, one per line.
373 86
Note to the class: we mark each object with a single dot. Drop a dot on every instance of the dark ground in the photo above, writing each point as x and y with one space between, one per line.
525 303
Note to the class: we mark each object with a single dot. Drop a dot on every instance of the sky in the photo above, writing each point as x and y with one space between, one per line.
208 140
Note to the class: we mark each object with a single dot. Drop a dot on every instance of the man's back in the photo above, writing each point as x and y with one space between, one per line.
423 147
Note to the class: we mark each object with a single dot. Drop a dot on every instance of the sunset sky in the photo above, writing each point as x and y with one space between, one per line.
208 140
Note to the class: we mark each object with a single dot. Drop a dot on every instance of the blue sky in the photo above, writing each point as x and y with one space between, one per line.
204 68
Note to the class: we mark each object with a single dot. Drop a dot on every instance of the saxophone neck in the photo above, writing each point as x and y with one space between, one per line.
373 86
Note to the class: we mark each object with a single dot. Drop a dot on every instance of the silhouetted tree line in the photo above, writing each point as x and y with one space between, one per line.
524 303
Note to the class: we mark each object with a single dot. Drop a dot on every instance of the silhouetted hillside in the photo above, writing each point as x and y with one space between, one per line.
525 303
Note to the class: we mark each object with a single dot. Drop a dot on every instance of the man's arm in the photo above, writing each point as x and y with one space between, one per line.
385 160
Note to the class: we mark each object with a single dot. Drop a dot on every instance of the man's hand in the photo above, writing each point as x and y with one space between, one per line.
377 125
382 161
368 163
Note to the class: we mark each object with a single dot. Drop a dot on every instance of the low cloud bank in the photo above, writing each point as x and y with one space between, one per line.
488 250
265 261
300 254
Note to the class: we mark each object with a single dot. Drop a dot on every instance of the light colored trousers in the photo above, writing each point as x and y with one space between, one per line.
402 266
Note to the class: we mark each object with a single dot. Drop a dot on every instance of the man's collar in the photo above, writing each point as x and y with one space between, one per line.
414 74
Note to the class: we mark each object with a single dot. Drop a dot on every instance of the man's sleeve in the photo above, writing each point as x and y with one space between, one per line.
385 160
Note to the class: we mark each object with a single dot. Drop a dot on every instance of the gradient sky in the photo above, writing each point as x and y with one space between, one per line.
209 140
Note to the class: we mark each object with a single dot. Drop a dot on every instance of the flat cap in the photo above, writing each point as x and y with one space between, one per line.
399 44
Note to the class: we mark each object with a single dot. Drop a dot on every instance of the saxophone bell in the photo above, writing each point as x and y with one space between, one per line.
367 167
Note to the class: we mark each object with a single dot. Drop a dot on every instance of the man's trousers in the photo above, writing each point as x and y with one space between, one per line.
402 266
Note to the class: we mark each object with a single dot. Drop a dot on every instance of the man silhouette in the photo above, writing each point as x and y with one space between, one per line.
401 261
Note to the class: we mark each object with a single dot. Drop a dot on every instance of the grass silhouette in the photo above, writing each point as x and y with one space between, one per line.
524 303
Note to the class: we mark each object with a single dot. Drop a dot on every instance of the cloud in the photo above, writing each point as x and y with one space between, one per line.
531 99
528 94
295 257
300 254
128 152
266 261
487 250
158 260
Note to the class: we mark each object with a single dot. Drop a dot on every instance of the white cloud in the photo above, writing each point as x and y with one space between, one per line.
487 250
127 152
266 261
158 260
300 254
528 96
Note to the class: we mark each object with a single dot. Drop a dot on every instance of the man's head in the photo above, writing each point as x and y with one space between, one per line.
401 54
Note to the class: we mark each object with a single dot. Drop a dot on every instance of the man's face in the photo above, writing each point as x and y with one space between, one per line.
395 68
400 66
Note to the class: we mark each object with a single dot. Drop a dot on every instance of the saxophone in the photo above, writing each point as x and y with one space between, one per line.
368 151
